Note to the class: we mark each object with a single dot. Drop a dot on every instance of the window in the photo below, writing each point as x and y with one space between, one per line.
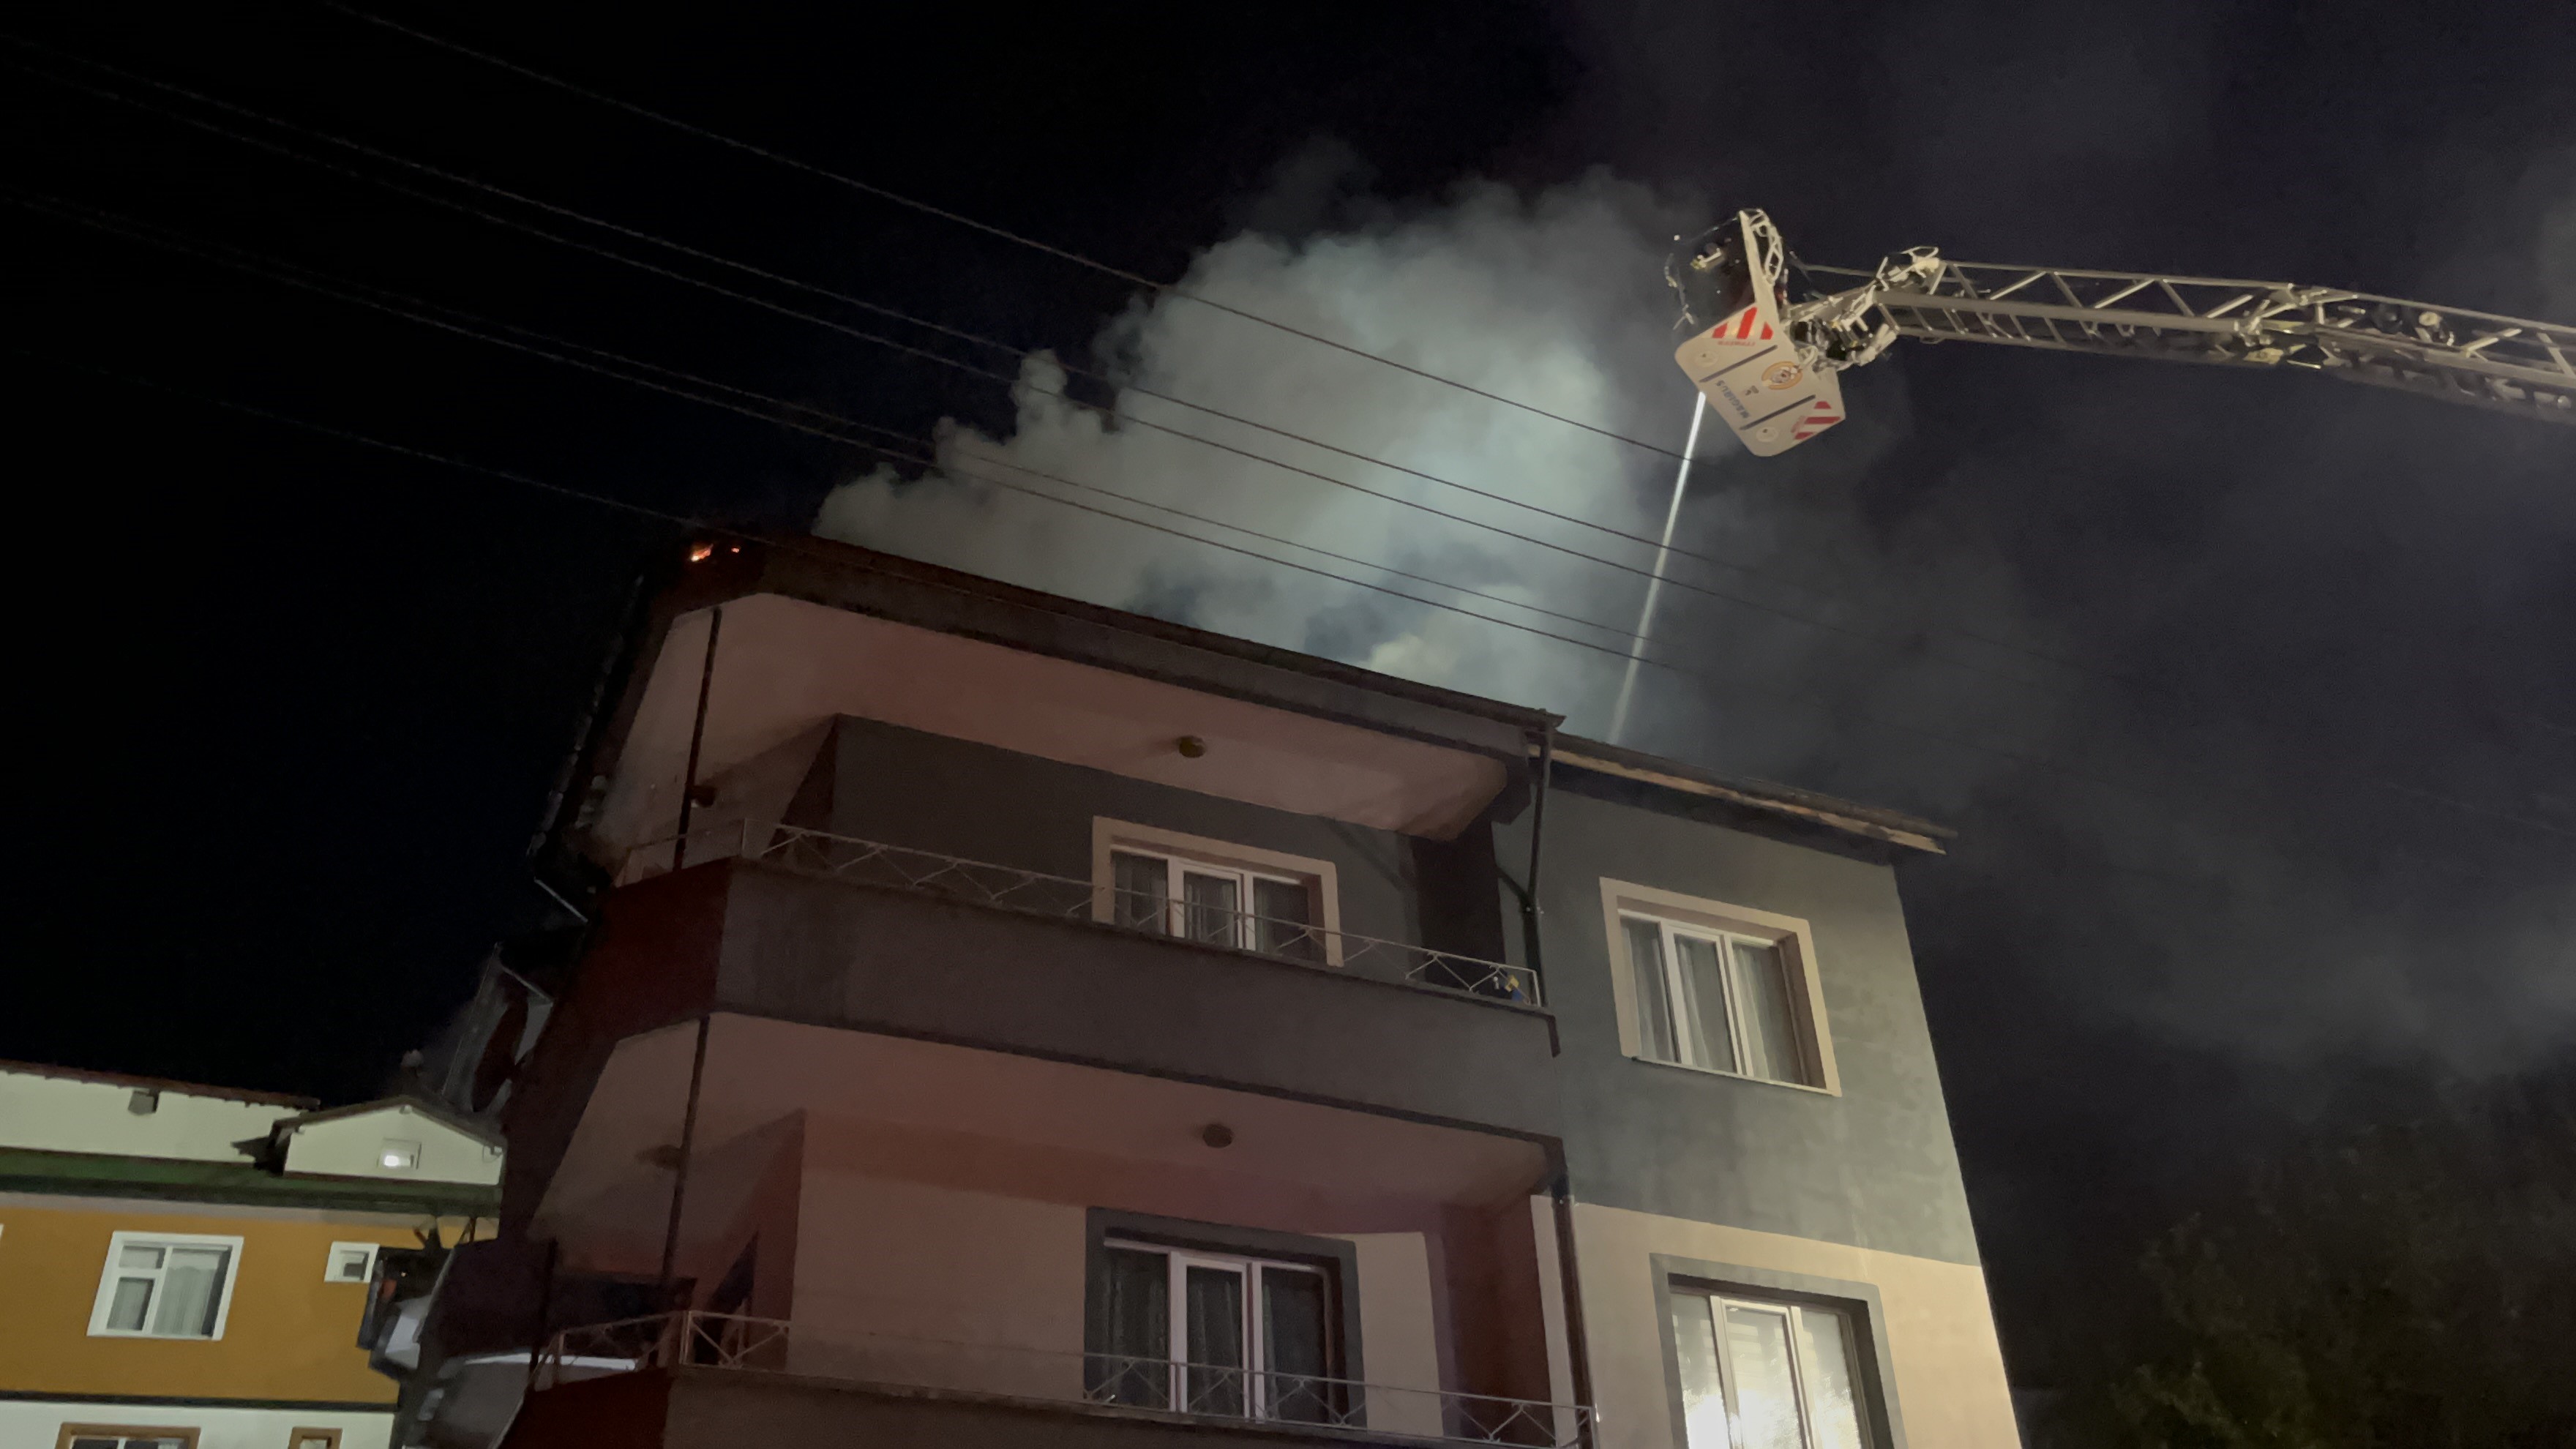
1215 1333
1216 905
1708 998
117 1436
313 1439
1763 1375
349 1263
1717 988
399 1155
1215 893
165 1286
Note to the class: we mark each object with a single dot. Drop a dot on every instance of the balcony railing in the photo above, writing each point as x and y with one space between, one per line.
1006 887
1209 1393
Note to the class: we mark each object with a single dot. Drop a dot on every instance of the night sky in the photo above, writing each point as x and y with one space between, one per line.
2280 808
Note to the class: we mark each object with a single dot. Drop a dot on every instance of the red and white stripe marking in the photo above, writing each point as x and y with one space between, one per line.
1818 418
1746 326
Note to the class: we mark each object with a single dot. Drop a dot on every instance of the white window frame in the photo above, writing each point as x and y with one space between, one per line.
331 1262
1718 921
1195 854
1177 1264
1801 1370
110 1272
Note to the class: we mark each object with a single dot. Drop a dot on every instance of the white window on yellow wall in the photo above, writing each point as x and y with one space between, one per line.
165 1285
1764 1375
350 1263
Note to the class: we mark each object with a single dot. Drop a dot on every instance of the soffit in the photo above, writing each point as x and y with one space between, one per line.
783 666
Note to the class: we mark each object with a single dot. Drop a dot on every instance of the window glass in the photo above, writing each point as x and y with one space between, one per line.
1210 906
1833 1403
1285 925
1139 1341
1213 1345
1292 1344
1766 1389
191 1286
1707 1040
1762 1001
1646 970
1142 884
1703 1390
125 1311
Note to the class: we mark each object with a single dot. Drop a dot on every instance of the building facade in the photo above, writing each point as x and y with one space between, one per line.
1008 1020
186 1267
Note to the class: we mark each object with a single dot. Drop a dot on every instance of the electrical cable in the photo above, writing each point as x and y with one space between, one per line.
1168 289
680 384
114 224
1654 576
2220 884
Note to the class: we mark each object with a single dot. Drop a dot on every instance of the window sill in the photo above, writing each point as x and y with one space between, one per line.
157 1337
1733 1076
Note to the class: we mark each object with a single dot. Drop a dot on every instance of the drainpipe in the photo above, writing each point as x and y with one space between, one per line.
680 1178
1578 1354
1529 888
697 736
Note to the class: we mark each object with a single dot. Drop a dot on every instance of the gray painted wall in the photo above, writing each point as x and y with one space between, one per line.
1874 1167
930 792
835 954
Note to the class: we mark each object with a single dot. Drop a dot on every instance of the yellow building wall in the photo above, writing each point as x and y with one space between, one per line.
288 1335
1950 1389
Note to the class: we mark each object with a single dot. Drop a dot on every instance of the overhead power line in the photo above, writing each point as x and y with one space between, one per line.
824 424
2096 860
1652 575
958 218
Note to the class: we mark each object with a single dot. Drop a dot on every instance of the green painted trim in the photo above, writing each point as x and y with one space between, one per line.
179 1180
179 1401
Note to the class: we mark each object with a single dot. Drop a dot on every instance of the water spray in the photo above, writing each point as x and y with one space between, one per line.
1655 580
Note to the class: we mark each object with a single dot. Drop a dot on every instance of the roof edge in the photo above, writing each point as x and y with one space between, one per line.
1870 822
834 553
162 1084
437 1112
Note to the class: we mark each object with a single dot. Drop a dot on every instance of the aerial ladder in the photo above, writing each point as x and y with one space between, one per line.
1770 364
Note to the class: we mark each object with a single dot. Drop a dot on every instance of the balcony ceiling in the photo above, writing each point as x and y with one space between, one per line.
996 1122
785 666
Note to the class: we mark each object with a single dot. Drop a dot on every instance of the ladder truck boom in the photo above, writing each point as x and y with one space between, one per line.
1768 362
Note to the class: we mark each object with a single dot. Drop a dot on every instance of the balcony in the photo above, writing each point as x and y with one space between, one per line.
800 925
1009 888
769 1379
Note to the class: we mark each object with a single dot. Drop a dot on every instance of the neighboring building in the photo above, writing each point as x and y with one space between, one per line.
186 1267
1004 1020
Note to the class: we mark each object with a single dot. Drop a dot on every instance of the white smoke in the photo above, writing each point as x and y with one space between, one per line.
1554 300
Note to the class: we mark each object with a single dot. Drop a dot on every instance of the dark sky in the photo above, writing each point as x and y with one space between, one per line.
293 704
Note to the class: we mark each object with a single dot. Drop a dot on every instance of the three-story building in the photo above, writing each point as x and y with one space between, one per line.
1010 1020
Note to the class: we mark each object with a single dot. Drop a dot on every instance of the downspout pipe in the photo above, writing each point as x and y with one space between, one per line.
680 1175
1529 878
697 737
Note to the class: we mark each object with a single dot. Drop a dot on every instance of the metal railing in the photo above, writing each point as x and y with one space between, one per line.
1005 887
1200 1392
